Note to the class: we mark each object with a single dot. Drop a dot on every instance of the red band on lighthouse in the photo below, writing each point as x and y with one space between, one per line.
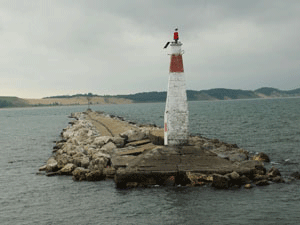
176 37
176 64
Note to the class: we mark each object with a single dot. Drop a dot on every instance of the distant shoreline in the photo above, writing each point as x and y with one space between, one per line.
218 94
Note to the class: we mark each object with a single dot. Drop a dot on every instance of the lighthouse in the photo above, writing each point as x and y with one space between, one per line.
176 111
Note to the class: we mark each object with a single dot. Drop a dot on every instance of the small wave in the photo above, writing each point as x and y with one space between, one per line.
16 161
289 162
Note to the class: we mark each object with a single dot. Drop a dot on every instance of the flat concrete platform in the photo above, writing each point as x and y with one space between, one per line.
148 163
163 162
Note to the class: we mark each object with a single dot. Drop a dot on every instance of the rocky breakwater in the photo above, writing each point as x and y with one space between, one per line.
97 146
89 144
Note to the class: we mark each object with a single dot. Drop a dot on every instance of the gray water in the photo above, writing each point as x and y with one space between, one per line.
26 141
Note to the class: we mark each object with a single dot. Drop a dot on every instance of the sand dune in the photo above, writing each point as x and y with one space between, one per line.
77 101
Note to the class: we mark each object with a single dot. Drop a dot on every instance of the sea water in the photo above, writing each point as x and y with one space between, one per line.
27 136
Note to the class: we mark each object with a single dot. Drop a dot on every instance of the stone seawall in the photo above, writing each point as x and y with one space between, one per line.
96 146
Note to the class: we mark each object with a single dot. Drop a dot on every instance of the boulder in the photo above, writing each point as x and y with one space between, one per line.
220 181
278 179
80 173
71 153
98 164
109 147
84 162
261 157
109 172
92 133
67 134
260 170
208 145
76 159
95 175
198 179
262 183
148 181
248 186
100 154
92 151
100 141
75 115
196 141
88 141
59 145
81 134
234 175
215 141
223 156
157 136
133 135
296 175
261 177
132 184
51 174
233 146
237 156
43 168
62 160
222 149
68 147
273 172
68 169
118 141
51 165
170 181
138 143
226 151
234 179
84 150
251 168
124 176
74 141
245 180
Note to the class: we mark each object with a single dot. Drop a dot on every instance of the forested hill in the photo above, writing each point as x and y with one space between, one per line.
6 102
212 94
273 92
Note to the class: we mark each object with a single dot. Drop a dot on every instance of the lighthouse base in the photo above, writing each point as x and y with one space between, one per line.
176 111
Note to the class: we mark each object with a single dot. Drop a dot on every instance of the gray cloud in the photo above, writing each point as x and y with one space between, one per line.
111 47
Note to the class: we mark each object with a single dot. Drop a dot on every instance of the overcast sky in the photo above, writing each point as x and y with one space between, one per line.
56 47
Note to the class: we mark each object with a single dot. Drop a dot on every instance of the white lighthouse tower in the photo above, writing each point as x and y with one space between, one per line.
176 111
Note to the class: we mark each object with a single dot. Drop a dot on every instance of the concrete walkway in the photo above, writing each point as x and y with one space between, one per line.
108 126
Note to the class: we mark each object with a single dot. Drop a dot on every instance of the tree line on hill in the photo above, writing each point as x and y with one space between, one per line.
6 102
154 96
212 94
